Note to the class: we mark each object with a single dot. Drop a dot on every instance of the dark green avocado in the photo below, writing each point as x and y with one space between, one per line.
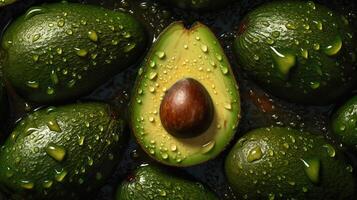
344 122
151 182
283 163
60 51
299 51
185 106
55 152
6 2
198 4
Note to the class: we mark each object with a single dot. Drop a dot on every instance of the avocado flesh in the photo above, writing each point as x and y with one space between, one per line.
288 164
61 51
6 2
150 182
198 4
299 51
344 121
55 152
180 53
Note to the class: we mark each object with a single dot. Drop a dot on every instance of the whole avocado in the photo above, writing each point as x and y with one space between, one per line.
283 163
61 51
299 51
344 122
198 4
151 182
55 152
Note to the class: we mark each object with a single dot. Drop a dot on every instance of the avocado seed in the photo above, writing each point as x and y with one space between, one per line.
187 109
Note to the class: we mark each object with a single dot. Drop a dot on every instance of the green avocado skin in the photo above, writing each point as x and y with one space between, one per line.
6 2
55 152
269 163
344 122
198 4
315 46
151 182
61 51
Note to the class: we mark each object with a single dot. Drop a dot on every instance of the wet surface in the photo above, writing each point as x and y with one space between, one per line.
259 109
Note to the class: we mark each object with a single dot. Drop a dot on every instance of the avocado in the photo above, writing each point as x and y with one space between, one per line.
198 4
283 163
60 51
151 182
344 122
300 51
185 107
57 151
6 2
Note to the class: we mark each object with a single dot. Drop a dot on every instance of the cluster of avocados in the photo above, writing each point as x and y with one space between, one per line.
185 105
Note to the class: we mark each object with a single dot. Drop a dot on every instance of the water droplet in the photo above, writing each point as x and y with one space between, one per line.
335 47
284 61
152 63
209 146
160 54
256 57
330 150
152 75
54 126
35 37
311 4
28 185
173 147
349 168
290 26
47 183
312 169
81 52
275 34
60 175
219 57
204 48
56 152
165 156
90 161
81 140
92 35
316 46
35 57
54 77
304 53
228 106
270 41
319 25
60 23
129 47
255 154
162 192
314 85
33 12
33 84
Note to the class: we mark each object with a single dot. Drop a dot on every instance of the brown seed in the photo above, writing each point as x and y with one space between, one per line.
187 109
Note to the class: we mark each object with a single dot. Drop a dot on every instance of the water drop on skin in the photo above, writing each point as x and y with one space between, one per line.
81 52
255 154
54 126
92 35
28 185
60 175
160 54
330 150
33 84
56 152
284 61
208 147
312 169
334 48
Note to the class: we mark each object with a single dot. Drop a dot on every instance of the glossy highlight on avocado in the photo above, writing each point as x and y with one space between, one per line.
151 182
344 122
198 4
56 52
180 54
57 151
283 163
299 51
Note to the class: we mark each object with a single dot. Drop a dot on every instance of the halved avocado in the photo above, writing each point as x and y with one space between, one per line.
186 83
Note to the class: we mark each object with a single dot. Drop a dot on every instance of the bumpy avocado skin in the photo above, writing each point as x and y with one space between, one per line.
60 51
198 4
53 153
299 51
344 121
6 2
151 182
271 162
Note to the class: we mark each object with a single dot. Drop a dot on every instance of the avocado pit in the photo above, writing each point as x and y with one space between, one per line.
187 109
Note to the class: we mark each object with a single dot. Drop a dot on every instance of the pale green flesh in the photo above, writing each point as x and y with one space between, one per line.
180 53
